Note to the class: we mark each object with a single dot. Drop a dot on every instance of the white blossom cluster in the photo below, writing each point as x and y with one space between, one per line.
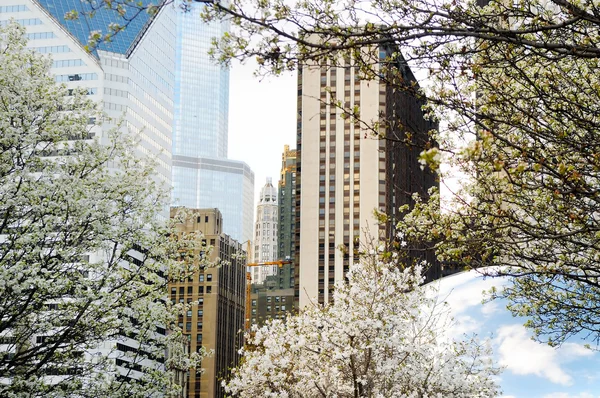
382 336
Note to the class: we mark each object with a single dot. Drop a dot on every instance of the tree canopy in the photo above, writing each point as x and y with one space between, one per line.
516 90
515 87
382 336
84 255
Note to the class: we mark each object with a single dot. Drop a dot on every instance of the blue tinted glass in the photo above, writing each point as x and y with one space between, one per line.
81 28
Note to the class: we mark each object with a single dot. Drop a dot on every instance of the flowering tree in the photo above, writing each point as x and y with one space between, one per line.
383 336
84 258
518 75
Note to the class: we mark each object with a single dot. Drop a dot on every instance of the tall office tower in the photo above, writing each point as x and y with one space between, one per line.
203 177
131 76
343 174
218 297
265 233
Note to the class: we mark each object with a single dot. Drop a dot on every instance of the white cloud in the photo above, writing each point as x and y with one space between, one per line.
568 395
464 324
466 290
523 356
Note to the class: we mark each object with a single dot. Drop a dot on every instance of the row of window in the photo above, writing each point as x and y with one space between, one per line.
40 35
52 49
18 8
23 22
90 91
76 77
276 299
277 308
65 63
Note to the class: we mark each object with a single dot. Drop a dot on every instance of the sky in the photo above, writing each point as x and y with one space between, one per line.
262 119
530 369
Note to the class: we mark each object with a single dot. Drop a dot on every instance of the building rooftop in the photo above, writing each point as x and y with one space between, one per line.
85 24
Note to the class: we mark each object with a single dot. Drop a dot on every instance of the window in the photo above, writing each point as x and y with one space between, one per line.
254 303
199 338
200 313
283 308
200 289
268 308
199 326
201 278
209 278
189 313
17 8
76 77
268 299
188 326
40 35
208 289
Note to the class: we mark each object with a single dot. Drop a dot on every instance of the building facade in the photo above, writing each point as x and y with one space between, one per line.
206 182
203 177
287 204
132 75
273 298
344 173
216 297
265 233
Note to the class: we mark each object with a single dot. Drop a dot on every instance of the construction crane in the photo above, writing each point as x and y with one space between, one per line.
279 263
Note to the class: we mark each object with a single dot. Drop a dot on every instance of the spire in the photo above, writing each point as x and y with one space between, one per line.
268 193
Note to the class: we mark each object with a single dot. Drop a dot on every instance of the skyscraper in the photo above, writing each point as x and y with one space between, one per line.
203 177
132 75
344 174
265 233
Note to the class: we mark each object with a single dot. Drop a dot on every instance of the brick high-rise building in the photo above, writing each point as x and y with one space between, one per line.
344 173
217 297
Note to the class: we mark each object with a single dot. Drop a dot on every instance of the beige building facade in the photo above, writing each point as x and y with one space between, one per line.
345 173
216 295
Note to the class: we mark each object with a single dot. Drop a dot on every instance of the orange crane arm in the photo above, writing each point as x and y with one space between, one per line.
280 263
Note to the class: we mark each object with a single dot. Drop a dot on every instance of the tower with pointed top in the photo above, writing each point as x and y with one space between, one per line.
265 233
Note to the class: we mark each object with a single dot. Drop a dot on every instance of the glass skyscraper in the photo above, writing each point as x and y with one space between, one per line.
132 75
203 177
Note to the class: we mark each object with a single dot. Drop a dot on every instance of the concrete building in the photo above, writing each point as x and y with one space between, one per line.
217 297
266 229
203 177
344 173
